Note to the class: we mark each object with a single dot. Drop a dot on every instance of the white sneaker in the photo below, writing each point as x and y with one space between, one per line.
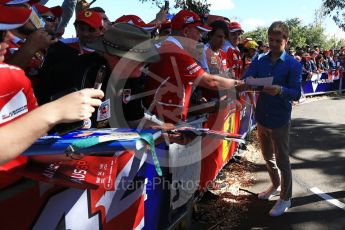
280 207
269 193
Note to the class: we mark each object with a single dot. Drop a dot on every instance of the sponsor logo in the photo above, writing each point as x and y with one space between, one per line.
192 66
14 108
319 82
103 112
88 14
126 96
195 70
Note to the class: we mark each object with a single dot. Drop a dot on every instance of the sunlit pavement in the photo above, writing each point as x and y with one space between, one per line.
318 162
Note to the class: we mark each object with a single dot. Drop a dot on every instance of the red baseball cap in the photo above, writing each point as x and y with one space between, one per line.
186 18
165 25
135 20
213 18
91 18
56 10
234 27
13 17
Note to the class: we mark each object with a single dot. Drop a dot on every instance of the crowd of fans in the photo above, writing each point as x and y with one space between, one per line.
161 61
317 60
314 61
151 67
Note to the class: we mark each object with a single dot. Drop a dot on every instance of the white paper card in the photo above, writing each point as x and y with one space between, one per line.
267 81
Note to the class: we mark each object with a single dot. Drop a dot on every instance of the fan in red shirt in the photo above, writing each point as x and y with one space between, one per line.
21 122
89 26
214 59
232 51
16 94
170 80
215 62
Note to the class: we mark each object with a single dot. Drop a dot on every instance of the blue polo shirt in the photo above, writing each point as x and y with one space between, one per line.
275 111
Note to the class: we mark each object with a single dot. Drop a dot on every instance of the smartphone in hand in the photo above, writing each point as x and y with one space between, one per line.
100 77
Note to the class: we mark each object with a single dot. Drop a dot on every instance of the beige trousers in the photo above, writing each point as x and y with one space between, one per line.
274 145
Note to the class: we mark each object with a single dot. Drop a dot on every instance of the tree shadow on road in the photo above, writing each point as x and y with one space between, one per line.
318 145
315 145
314 134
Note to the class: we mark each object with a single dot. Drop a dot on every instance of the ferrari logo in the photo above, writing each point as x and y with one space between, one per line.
88 14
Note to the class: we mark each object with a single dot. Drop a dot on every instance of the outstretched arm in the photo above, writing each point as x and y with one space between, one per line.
215 82
20 134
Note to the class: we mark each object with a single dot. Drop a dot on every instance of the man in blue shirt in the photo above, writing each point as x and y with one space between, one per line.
273 112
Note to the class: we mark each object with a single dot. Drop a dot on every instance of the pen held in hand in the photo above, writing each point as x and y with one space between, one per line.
100 77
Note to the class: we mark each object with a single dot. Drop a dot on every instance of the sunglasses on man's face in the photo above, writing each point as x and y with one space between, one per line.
49 18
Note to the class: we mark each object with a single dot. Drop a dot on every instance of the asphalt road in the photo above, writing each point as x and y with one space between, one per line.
318 162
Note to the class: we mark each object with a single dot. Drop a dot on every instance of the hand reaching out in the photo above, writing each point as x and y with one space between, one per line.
75 106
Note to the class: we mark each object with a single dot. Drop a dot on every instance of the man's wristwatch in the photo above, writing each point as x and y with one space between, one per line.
281 90
236 83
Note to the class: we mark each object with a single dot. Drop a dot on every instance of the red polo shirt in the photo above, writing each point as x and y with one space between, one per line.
235 62
16 99
171 80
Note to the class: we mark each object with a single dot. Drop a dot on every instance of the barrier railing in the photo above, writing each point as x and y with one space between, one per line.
323 83
125 191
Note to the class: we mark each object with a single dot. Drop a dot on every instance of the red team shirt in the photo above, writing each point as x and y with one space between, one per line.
170 80
235 62
16 99
214 62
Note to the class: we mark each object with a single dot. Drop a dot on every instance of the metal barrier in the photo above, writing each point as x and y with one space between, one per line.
324 83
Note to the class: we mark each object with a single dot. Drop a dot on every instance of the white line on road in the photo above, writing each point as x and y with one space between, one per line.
328 198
